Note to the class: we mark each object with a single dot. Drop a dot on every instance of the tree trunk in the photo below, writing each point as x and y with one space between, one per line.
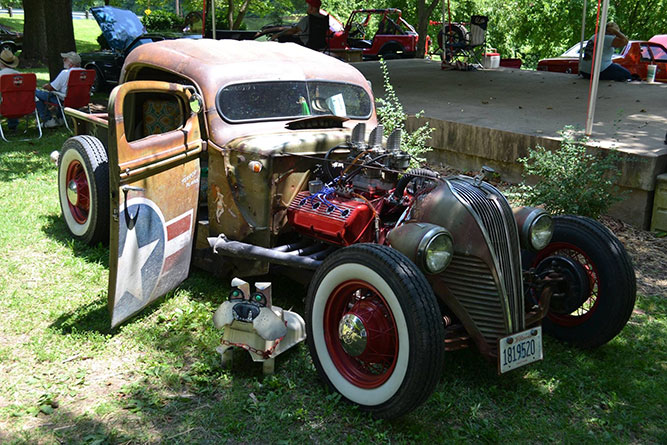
241 15
423 16
34 34
59 33
230 13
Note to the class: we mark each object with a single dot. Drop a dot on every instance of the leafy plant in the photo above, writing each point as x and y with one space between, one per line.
392 116
162 21
571 180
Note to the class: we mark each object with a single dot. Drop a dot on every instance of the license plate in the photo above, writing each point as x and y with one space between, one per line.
519 349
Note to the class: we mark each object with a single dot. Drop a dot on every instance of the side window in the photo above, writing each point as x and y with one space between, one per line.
646 54
147 114
659 53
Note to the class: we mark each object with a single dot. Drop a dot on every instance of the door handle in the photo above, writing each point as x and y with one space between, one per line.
130 222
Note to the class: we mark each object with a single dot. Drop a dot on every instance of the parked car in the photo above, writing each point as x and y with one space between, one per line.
122 31
10 39
376 32
635 57
237 156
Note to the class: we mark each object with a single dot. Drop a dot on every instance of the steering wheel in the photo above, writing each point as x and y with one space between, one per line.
359 31
319 104
191 19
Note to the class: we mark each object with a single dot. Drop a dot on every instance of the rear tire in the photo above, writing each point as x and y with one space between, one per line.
600 278
83 188
391 51
396 364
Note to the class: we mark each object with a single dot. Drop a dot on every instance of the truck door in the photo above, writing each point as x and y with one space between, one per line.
154 148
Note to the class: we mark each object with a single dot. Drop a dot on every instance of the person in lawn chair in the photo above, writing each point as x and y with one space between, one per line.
311 29
9 61
71 61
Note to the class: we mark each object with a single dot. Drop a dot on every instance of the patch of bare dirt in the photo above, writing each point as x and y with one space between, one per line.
648 253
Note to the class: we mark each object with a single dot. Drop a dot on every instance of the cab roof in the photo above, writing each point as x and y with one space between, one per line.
219 62
212 64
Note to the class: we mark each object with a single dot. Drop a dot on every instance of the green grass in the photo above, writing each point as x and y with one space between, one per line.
66 377
85 31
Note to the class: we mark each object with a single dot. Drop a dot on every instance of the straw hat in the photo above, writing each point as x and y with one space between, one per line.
8 58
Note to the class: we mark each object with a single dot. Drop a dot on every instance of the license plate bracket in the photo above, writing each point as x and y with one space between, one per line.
519 349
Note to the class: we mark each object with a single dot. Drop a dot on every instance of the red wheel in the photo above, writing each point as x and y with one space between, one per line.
83 188
583 283
78 192
360 332
374 329
597 295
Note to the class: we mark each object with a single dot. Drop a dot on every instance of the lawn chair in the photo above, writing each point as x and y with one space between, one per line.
318 31
18 99
465 45
78 92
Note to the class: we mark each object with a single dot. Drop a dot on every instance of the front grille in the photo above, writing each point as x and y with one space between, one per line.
471 281
496 219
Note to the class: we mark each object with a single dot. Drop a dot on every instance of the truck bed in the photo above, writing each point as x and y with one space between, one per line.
91 124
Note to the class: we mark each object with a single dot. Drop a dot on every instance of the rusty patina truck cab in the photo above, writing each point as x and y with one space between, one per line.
236 156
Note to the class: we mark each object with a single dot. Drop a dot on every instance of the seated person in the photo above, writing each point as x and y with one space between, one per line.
71 61
9 61
613 38
301 29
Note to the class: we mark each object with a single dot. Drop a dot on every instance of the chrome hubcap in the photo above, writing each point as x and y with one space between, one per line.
352 335
72 192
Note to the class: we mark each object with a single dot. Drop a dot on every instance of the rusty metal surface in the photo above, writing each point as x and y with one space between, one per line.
154 195
90 124
251 206
212 64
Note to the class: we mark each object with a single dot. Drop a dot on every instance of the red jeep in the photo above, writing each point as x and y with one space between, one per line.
378 32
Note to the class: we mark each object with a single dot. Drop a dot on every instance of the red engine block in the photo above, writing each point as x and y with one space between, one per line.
336 220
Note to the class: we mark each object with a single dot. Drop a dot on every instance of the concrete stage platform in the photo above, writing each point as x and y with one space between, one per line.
492 117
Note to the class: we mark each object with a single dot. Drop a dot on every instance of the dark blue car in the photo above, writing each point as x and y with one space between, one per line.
122 31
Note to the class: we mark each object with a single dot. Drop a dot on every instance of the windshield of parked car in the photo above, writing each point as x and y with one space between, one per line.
283 100
573 52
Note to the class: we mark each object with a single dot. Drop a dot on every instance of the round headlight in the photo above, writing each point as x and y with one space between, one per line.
438 253
541 231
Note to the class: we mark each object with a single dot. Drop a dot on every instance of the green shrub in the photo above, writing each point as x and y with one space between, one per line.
162 21
392 116
570 180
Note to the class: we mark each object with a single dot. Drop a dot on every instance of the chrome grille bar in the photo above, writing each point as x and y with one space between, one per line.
472 283
499 227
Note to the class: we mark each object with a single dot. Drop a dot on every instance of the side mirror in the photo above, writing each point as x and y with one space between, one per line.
196 103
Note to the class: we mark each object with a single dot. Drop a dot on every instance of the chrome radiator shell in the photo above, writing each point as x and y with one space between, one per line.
483 285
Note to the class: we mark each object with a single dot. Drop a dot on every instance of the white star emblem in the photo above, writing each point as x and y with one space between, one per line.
128 276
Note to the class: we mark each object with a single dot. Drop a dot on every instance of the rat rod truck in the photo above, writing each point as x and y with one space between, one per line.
235 156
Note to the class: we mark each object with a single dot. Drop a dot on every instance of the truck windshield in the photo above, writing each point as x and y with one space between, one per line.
283 100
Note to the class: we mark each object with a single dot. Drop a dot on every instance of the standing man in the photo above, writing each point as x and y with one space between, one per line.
71 61
613 38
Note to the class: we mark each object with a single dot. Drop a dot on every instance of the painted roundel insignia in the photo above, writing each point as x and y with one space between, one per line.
141 252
